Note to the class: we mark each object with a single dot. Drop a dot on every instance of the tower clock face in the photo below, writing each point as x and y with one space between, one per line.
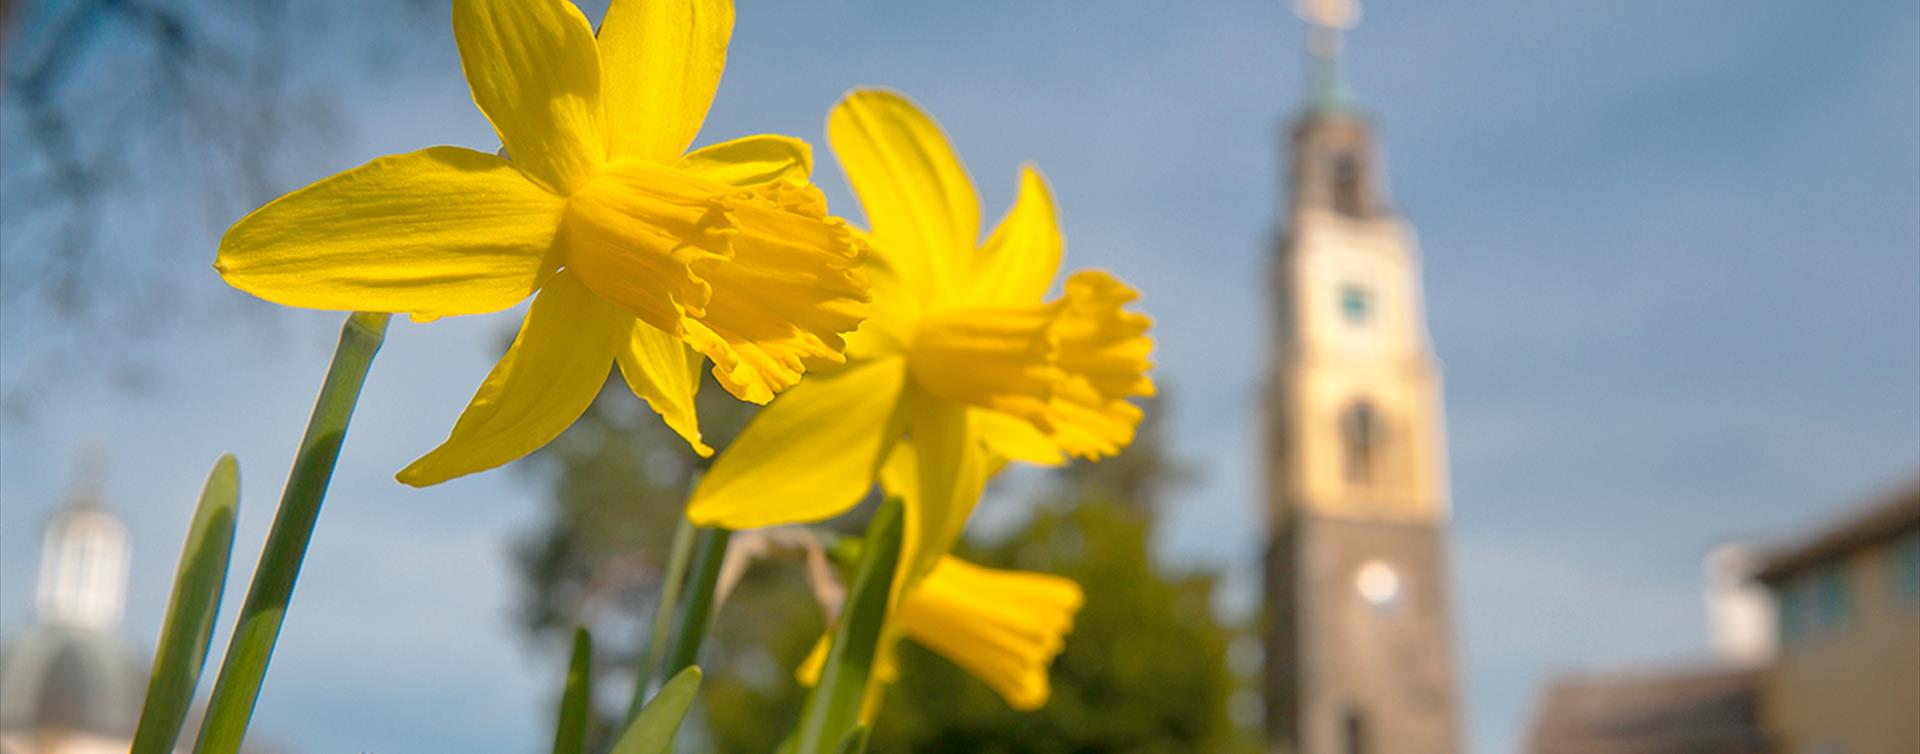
1377 583
1356 304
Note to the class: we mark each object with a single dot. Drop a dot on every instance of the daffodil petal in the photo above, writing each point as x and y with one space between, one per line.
661 62
891 317
549 376
918 198
752 160
809 455
664 371
1016 439
1019 260
438 232
1005 627
535 72
815 663
939 473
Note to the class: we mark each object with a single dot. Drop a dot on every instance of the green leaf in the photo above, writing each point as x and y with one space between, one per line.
187 632
653 730
678 556
856 742
832 711
250 650
709 551
576 703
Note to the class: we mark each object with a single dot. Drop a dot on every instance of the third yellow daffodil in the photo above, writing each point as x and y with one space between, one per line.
1003 626
964 360
639 254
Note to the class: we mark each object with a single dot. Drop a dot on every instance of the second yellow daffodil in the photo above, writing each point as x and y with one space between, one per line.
963 362
639 254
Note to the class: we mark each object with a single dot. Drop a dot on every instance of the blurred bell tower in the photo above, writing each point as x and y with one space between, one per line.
1359 651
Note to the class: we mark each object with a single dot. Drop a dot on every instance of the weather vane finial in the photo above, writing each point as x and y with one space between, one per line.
1327 19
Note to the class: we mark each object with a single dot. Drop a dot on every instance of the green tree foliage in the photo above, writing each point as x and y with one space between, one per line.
616 481
1144 670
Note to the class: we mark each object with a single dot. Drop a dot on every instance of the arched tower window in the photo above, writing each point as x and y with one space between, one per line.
1355 733
1349 186
1360 430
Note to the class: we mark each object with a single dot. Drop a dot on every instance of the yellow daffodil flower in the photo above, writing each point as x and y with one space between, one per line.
963 361
639 254
1005 627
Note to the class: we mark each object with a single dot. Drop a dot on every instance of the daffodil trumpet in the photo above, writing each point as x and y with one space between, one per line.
636 252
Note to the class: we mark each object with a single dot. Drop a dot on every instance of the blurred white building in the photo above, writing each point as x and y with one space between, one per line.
1740 610
71 683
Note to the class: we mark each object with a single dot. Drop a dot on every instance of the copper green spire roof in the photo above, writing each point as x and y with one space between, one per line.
1327 90
1327 20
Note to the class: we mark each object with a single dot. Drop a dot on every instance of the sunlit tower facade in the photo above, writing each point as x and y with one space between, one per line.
1359 649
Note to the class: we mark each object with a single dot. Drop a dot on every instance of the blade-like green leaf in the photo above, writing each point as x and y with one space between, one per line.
187 633
832 709
670 583
653 730
690 627
856 742
576 703
250 650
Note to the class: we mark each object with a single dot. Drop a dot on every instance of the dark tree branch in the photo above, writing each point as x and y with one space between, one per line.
147 119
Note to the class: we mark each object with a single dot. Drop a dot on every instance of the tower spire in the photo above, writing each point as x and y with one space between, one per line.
1327 24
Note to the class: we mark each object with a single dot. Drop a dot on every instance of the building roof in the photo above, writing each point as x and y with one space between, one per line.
71 678
1697 711
1889 517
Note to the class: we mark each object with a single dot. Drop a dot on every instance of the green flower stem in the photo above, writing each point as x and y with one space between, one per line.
670 583
856 742
690 627
251 648
830 718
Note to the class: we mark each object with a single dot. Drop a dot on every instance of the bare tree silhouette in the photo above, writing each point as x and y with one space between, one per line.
131 132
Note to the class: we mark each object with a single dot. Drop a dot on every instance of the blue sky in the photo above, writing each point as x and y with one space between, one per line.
1673 274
